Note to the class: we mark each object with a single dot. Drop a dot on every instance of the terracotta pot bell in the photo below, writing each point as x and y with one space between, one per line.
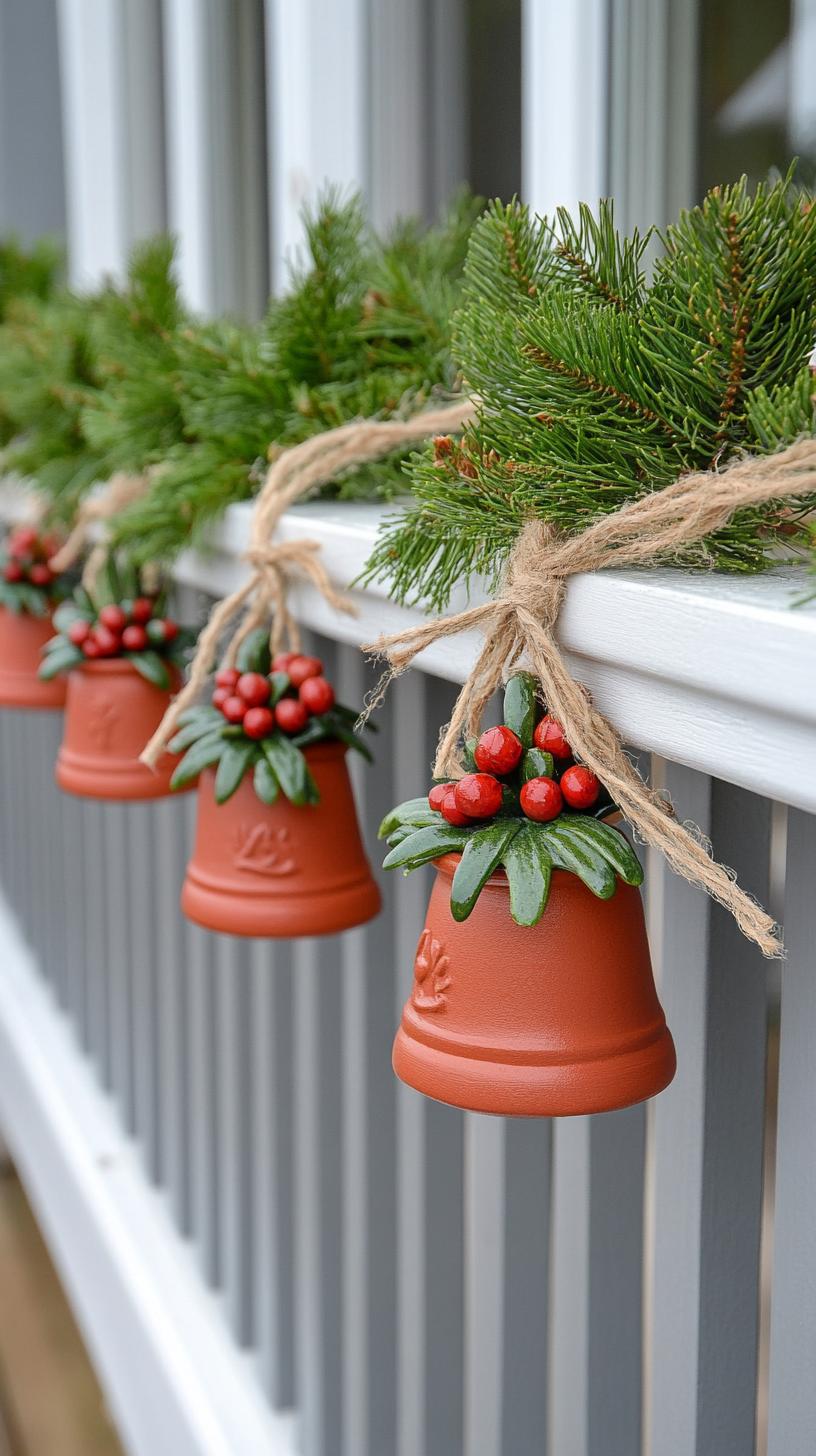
549 1021
111 712
281 870
22 638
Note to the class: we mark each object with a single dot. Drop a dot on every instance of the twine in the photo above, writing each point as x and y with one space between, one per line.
120 492
520 624
292 475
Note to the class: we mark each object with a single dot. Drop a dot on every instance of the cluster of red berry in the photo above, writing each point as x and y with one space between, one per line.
131 627
497 754
243 697
28 557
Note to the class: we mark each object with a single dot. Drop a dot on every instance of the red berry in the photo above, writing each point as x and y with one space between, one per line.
316 694
107 641
142 610
40 574
549 735
541 799
450 810
79 632
580 786
291 716
254 688
436 797
498 751
22 540
134 638
478 795
220 696
280 663
302 667
13 571
91 648
234 708
113 617
171 629
227 677
258 722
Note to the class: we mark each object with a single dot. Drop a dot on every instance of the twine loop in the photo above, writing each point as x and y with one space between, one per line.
121 491
518 627
292 474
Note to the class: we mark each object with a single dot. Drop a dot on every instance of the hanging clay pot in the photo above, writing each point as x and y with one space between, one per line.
22 638
111 712
544 1021
281 869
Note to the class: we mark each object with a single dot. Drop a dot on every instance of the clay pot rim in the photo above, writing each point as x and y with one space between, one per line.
100 665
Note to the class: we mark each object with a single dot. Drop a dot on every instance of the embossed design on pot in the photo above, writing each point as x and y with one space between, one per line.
103 720
262 850
431 978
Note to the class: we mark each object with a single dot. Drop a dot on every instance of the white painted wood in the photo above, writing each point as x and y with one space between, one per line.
30 114
234 1130
670 656
318 110
564 99
398 117
792 1411
215 151
110 64
172 1377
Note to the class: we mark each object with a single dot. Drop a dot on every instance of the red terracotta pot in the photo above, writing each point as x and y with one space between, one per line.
22 638
281 870
548 1021
110 714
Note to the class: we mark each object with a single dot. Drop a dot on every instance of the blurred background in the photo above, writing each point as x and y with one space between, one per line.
217 120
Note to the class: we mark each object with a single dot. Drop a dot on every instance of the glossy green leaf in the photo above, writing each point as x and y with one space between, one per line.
151 667
468 755
232 765
536 764
279 682
426 844
85 602
529 868
108 584
290 768
571 851
265 781
520 706
404 814
67 613
59 660
192 732
484 850
253 655
610 843
202 714
203 753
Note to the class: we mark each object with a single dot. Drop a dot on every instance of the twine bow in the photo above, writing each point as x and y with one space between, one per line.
292 475
120 492
520 624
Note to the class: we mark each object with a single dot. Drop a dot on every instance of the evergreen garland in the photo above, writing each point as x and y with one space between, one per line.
597 384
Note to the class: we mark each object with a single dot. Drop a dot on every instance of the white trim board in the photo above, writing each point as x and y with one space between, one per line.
175 1382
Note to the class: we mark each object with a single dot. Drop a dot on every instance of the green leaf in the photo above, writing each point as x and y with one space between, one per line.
520 706
265 781
529 868
108 585
60 660
571 851
203 753
426 844
232 766
483 852
351 740
151 667
411 812
536 763
202 713
67 613
253 655
279 682
290 769
610 843
468 754
85 603
192 732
